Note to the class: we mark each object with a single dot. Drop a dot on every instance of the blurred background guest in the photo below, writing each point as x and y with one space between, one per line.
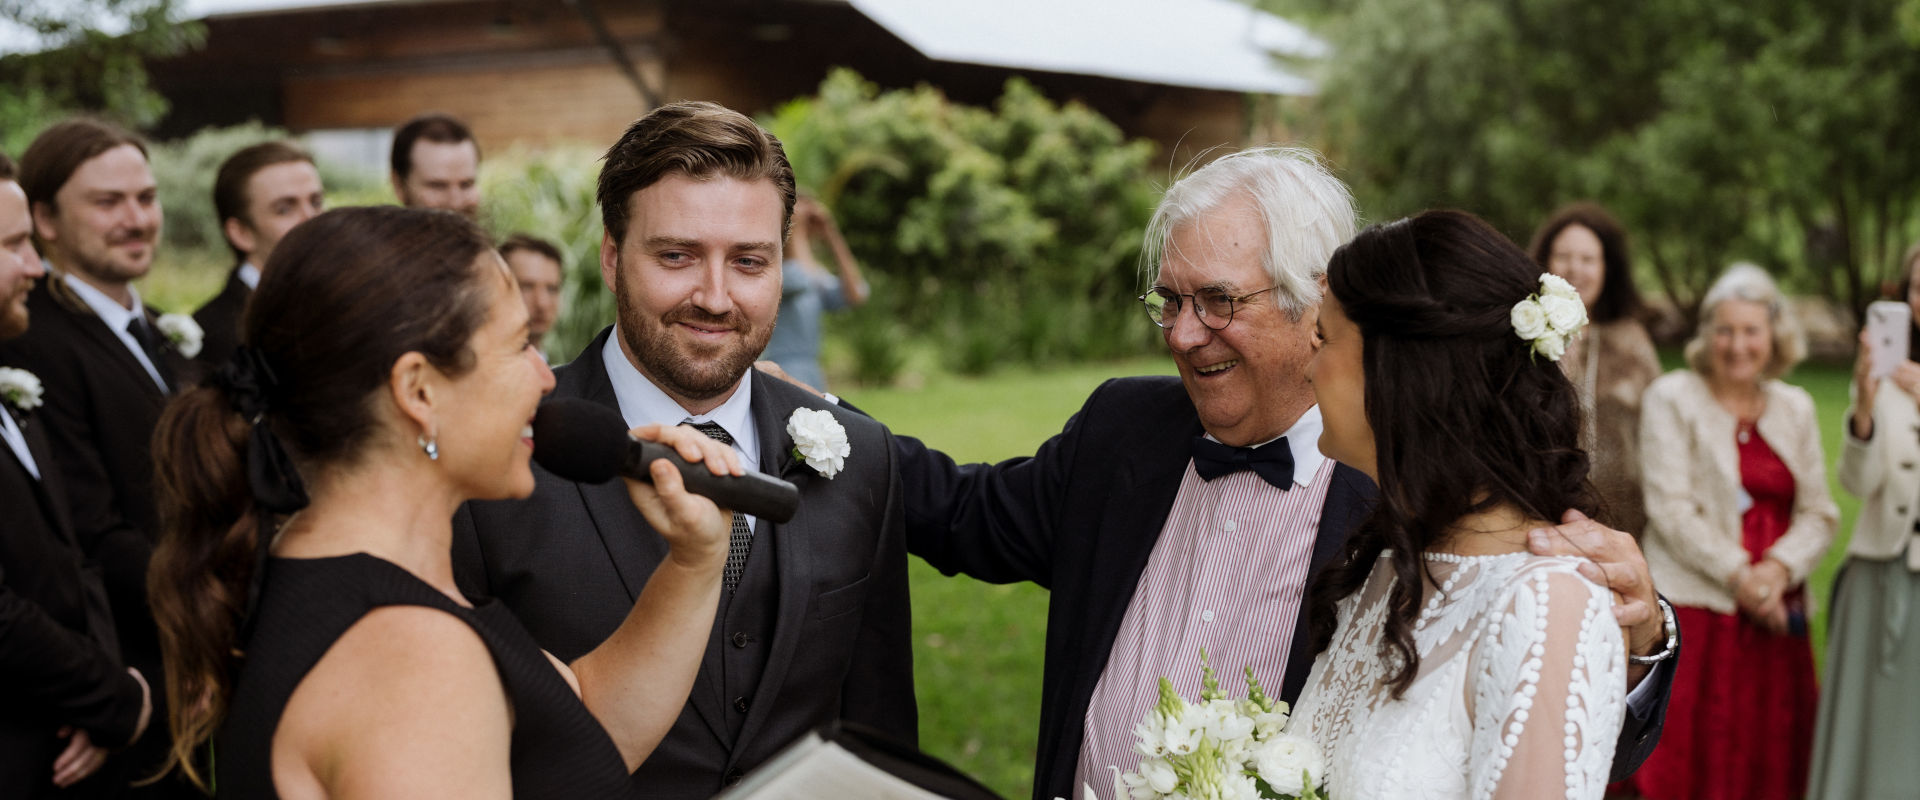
1738 513
108 367
259 194
66 697
1613 362
1870 711
386 378
539 268
436 164
808 290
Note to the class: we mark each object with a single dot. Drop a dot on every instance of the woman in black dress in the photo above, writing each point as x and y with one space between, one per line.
321 649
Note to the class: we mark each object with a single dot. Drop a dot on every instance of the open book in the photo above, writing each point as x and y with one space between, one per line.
845 761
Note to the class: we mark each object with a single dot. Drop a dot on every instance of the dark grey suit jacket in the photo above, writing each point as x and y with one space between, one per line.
571 559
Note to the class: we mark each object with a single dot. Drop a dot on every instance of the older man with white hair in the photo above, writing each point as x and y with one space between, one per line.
1174 515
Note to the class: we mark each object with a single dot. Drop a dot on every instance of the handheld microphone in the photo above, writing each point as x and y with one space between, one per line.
587 442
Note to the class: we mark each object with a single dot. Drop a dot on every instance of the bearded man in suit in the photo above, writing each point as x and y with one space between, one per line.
68 697
108 365
259 194
813 625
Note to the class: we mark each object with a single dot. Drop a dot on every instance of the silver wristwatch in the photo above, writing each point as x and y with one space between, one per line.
1673 637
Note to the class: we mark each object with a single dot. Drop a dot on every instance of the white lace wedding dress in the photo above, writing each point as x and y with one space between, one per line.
1520 694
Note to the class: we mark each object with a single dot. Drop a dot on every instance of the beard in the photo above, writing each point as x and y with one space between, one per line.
695 372
107 263
13 313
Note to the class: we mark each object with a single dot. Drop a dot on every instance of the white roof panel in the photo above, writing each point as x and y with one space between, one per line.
1206 44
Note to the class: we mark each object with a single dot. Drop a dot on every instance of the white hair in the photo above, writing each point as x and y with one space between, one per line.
1748 282
1308 213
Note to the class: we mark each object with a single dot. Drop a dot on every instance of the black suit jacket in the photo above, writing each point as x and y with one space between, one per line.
571 560
59 662
100 411
1081 517
220 321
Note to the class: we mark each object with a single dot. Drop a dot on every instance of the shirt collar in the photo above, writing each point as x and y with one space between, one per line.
1303 440
249 274
643 403
103 306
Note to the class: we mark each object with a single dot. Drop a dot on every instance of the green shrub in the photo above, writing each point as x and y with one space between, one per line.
550 193
1014 231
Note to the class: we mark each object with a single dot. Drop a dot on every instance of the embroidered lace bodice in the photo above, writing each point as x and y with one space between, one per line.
1520 693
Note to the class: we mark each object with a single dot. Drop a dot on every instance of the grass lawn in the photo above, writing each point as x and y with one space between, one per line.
978 648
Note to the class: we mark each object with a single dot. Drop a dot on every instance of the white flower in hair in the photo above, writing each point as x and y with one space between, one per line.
1564 314
1529 319
20 388
182 332
1550 318
819 440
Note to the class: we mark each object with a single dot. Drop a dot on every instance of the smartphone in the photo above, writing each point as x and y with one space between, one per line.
1887 325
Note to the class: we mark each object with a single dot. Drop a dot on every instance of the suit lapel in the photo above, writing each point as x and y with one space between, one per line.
1350 498
104 339
793 558
633 546
47 487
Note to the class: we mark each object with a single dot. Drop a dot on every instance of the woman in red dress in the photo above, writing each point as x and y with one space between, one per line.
1738 515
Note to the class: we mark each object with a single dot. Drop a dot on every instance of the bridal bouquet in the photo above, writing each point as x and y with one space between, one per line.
1220 749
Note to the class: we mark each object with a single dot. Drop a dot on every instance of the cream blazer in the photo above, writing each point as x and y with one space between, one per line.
1884 472
1690 474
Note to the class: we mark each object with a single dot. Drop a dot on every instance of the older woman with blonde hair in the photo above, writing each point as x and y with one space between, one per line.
1738 513
1870 713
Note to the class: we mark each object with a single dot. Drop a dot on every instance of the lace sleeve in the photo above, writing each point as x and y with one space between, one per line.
1549 690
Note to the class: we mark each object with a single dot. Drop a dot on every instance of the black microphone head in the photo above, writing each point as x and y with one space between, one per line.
579 440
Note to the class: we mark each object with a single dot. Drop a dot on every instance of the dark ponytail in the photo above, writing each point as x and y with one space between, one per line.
344 295
1460 407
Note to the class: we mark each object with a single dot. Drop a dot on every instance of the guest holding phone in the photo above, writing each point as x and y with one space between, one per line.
1738 513
321 648
1870 711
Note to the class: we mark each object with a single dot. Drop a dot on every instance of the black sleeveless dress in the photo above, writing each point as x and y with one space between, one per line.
559 749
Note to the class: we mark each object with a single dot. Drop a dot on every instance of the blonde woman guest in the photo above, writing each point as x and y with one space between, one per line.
1870 712
1612 363
1738 513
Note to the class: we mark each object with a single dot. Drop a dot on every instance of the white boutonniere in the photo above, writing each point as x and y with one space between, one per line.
1548 319
182 332
20 388
819 440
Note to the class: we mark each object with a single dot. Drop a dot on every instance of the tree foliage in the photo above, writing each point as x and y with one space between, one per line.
1009 233
1774 131
85 55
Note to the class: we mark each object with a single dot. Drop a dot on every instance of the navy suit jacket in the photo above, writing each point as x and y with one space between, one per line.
1081 517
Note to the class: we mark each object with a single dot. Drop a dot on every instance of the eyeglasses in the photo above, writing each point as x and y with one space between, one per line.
1214 307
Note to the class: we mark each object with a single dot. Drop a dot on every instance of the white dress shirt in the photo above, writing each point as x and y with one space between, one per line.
17 440
643 403
117 319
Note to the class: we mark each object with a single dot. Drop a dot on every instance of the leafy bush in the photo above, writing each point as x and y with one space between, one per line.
550 193
1015 231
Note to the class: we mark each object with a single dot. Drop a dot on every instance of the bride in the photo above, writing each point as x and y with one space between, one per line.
1452 663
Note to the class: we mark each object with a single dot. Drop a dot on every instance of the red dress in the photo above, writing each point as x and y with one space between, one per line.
1740 720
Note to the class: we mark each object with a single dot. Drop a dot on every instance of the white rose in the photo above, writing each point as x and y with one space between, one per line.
1564 314
1553 346
20 388
1552 285
183 332
1283 761
1529 319
819 440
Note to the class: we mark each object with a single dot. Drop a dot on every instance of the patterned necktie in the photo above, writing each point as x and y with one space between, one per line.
742 539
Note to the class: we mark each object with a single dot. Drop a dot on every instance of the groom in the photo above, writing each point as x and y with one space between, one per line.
813 625
1171 515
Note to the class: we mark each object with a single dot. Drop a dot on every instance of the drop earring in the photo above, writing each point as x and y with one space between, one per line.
430 446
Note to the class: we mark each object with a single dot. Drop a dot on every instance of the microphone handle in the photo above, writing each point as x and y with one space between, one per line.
753 494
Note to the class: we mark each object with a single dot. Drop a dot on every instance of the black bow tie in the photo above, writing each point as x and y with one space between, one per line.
1272 461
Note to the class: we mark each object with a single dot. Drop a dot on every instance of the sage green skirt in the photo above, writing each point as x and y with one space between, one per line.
1866 745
